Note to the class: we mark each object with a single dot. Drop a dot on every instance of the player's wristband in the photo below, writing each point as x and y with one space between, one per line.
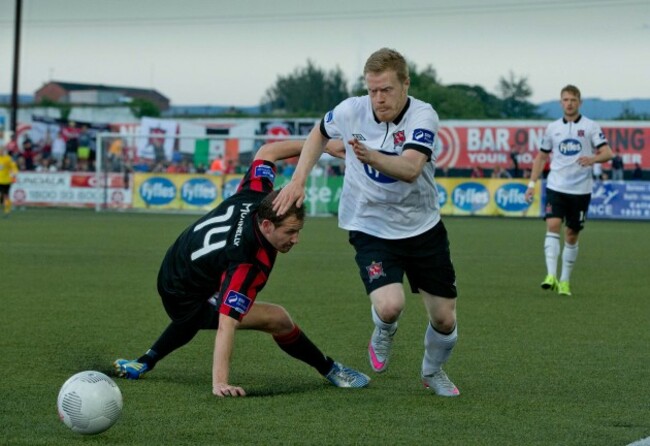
531 185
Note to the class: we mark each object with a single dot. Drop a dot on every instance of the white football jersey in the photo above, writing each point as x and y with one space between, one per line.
372 202
568 141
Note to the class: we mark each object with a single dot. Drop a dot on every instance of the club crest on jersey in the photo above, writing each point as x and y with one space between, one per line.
375 271
581 133
399 138
237 302
264 171
358 137
424 136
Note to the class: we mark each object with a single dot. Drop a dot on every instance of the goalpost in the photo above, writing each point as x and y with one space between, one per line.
171 173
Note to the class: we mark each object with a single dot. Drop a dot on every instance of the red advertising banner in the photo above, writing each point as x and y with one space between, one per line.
469 144
71 189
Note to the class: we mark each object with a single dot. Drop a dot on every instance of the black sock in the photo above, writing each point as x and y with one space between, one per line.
174 337
150 358
298 345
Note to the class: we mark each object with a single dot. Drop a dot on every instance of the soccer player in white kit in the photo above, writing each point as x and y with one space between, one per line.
389 205
574 143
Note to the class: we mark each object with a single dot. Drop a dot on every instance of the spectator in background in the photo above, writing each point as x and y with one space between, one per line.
46 146
12 147
116 155
216 166
500 172
8 171
477 172
617 166
230 167
83 151
174 167
58 150
597 171
45 165
637 173
514 158
70 135
28 153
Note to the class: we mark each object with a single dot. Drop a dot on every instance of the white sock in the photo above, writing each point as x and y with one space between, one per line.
437 349
551 252
390 327
569 256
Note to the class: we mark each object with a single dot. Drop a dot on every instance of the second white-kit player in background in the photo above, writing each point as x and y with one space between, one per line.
574 143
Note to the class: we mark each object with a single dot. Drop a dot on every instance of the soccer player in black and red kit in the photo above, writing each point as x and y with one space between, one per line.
211 275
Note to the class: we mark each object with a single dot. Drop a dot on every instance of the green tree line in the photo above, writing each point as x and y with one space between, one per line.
312 91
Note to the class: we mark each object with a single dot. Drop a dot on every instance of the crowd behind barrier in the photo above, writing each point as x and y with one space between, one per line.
74 150
58 164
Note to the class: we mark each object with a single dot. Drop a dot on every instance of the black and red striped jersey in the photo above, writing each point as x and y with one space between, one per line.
224 252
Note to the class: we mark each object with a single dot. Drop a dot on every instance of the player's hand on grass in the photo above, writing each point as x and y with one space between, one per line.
226 390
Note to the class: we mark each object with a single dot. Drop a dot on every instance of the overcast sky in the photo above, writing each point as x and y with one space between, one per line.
229 52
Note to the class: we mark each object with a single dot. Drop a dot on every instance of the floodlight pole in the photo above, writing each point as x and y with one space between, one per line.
14 86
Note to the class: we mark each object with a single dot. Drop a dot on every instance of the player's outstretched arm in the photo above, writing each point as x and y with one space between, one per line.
279 150
223 347
335 148
294 191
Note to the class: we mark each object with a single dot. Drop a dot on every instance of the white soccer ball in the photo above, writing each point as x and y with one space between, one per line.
89 402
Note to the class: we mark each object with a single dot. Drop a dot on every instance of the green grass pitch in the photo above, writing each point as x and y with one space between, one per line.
77 290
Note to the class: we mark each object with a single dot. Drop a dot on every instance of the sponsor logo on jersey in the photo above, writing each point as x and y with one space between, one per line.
376 175
375 271
237 301
399 138
329 116
358 136
424 136
198 192
511 197
470 197
157 191
570 147
264 171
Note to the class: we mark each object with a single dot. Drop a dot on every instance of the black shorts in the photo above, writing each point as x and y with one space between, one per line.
425 259
572 209
200 312
4 189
